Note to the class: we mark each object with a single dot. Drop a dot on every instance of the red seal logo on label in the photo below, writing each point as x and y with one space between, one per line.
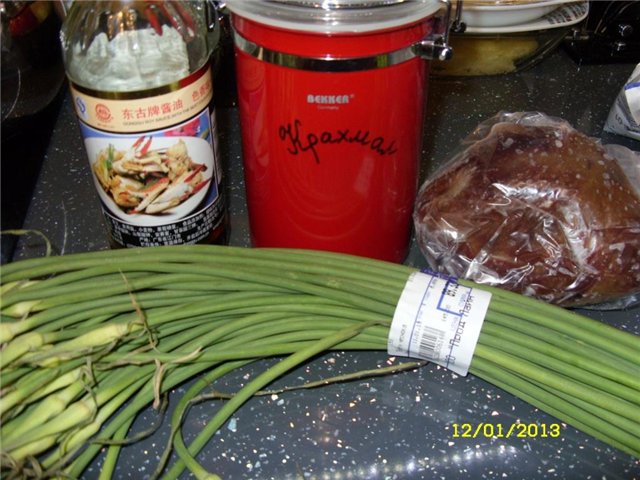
103 113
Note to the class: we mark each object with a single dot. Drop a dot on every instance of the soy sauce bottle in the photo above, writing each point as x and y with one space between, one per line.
141 83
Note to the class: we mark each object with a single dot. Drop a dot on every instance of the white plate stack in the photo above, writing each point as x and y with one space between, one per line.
511 16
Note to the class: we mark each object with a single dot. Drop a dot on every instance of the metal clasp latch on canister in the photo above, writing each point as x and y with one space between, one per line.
436 46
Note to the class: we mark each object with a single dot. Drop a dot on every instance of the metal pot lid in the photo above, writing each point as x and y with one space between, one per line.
335 16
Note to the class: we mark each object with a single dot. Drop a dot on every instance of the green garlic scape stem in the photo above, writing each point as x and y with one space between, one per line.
121 328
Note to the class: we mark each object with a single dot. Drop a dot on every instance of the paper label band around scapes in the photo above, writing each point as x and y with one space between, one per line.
439 320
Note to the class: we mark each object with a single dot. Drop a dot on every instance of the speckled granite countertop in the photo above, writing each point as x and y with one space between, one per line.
390 427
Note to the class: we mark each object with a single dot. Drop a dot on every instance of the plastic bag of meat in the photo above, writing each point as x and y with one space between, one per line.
532 205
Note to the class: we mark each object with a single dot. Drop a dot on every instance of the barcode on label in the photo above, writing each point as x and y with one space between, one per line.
430 343
439 320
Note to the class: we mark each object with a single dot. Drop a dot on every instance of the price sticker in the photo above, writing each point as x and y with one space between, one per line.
439 320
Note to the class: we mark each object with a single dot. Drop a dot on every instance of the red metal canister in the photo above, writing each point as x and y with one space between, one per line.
331 99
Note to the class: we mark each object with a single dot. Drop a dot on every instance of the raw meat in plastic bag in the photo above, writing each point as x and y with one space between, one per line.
534 206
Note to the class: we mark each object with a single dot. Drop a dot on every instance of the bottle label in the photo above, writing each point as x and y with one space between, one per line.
141 111
154 159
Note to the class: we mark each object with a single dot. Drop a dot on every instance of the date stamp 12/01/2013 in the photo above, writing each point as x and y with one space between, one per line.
500 430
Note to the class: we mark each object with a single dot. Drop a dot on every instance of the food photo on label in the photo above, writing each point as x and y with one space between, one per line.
145 179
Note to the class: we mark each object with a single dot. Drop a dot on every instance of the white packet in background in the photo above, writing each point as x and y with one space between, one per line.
624 116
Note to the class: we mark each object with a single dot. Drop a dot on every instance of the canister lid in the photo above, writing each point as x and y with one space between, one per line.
335 16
